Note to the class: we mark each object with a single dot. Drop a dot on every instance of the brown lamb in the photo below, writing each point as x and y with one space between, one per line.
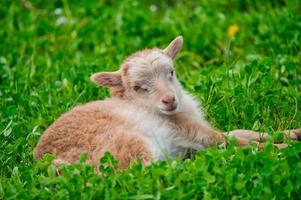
149 116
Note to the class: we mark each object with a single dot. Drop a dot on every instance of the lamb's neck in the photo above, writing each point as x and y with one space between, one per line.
190 107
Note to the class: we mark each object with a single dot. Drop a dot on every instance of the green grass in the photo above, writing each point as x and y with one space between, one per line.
250 81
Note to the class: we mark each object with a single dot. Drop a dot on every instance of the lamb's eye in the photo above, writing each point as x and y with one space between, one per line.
145 89
136 88
171 74
139 88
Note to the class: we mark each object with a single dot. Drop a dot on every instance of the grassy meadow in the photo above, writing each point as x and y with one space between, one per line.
241 59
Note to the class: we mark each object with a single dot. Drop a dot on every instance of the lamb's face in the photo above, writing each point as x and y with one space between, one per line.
148 78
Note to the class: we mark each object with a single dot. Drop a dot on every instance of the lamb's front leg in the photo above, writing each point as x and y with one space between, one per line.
244 137
200 133
204 134
197 133
294 134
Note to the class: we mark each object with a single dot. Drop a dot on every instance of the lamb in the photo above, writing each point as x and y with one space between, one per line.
149 117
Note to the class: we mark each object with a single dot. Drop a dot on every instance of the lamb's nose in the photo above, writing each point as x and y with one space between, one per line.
168 100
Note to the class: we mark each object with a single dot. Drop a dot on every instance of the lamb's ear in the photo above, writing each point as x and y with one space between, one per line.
107 78
174 47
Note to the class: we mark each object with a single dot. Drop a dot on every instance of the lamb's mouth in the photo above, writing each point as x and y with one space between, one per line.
168 111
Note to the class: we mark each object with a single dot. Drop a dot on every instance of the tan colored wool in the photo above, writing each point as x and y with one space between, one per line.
149 116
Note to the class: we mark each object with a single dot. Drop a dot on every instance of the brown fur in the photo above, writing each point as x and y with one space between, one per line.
90 129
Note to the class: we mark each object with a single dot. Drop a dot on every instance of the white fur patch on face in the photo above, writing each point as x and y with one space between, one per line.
156 58
148 65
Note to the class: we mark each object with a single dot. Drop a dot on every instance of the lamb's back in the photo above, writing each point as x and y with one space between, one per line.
81 129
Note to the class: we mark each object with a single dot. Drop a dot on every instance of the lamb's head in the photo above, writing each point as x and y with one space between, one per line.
147 78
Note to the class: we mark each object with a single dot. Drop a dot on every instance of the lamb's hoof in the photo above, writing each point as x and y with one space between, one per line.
281 146
57 172
294 134
298 133
57 163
